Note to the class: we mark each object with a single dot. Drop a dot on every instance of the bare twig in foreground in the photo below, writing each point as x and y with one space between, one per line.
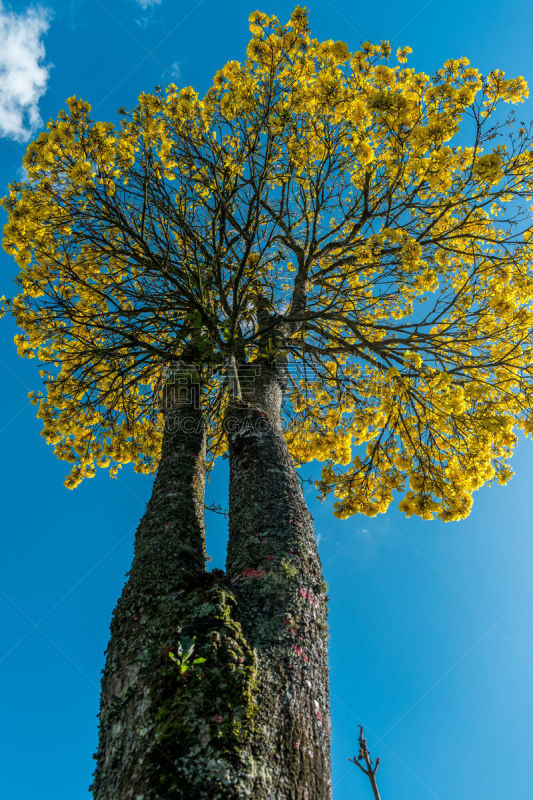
364 762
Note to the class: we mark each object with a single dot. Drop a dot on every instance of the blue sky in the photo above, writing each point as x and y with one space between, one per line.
431 645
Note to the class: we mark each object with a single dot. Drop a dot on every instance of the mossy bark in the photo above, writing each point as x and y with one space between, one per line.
274 567
165 734
251 721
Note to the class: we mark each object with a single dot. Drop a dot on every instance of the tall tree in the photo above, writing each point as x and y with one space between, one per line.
304 264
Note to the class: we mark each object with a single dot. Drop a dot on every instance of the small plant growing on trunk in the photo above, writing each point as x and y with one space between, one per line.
183 657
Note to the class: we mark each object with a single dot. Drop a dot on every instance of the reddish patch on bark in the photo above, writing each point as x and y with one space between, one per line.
299 652
308 596
249 572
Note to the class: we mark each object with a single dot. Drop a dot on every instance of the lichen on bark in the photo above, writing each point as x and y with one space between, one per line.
203 721
251 722
163 735
274 563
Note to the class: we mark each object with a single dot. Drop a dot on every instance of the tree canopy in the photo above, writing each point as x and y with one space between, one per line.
316 203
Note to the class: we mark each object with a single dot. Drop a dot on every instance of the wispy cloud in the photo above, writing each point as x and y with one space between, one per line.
23 76
175 72
147 6
144 4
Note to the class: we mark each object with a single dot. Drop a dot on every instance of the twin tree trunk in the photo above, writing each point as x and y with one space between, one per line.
252 720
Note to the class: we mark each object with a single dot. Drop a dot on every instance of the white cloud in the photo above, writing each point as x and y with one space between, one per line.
175 71
23 77
144 4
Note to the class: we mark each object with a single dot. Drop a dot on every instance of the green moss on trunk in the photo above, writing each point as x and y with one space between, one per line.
251 722
277 578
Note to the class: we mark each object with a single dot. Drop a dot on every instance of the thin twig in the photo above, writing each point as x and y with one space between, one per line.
216 509
364 762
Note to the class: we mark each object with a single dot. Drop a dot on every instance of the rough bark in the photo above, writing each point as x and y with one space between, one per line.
251 722
275 570
164 735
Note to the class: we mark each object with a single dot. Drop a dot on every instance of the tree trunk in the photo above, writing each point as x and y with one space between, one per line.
250 721
169 558
165 732
275 570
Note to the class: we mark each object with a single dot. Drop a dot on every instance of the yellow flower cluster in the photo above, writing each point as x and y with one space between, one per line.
307 170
